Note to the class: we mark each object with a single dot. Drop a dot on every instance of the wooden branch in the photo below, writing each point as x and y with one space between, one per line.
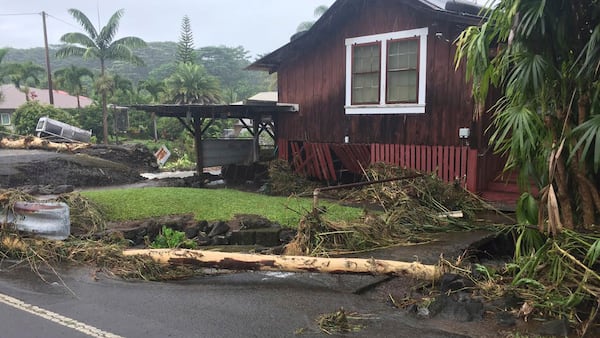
239 261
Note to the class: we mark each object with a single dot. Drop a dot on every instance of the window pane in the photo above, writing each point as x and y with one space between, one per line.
4 119
402 54
366 59
365 88
402 86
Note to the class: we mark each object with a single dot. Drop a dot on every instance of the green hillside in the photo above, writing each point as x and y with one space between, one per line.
225 63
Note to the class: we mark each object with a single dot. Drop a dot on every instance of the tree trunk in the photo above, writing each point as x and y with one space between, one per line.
239 261
104 112
31 142
579 168
564 199
104 119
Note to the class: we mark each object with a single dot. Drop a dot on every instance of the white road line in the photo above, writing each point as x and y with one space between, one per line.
56 318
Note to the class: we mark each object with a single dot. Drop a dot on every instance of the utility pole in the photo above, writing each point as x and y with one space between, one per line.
50 91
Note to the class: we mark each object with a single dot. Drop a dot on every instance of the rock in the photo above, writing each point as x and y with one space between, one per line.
203 240
506 319
203 226
558 328
219 228
267 237
456 308
247 221
243 237
191 230
219 240
454 282
63 189
286 235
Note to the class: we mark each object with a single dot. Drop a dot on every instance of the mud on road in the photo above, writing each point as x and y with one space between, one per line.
96 166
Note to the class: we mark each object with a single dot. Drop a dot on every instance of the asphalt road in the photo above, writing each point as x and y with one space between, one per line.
227 305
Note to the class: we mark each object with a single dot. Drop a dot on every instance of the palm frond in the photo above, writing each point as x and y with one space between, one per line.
589 134
78 39
122 52
85 23
130 42
108 32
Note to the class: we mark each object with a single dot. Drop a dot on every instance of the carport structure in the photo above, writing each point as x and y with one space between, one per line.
197 118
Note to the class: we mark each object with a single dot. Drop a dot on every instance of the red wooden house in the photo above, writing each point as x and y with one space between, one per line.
375 81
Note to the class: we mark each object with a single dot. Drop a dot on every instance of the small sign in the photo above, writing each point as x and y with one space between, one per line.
162 155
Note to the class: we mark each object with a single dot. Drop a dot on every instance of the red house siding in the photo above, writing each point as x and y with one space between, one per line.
315 79
313 76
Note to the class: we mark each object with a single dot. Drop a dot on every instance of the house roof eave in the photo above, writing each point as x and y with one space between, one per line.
460 12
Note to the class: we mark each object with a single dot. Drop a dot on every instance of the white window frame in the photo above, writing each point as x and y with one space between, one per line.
383 107
2 117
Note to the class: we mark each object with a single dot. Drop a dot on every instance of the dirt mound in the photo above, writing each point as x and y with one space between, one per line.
21 167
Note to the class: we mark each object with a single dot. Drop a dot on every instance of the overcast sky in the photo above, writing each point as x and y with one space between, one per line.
260 26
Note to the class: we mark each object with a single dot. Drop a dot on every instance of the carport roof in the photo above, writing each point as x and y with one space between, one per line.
224 111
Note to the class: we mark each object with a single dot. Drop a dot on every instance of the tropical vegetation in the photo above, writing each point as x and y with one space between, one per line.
544 58
540 62
100 44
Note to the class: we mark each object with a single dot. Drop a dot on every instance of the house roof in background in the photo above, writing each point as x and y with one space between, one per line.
459 11
13 98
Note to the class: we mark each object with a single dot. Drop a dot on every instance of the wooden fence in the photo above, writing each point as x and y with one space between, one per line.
447 162
325 160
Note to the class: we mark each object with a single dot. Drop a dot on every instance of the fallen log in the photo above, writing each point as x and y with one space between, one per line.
239 261
32 142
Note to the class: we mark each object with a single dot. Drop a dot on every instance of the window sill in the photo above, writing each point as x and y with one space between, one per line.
387 109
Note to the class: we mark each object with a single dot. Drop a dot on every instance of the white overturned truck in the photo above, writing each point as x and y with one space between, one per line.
57 131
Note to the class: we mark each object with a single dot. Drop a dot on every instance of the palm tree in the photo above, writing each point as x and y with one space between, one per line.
156 89
70 79
123 89
23 74
546 60
102 46
191 84
3 52
306 25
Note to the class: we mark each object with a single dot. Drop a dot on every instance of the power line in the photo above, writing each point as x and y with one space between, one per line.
15 14
61 20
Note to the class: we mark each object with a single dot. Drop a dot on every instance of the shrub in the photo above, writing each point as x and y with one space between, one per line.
26 117
169 238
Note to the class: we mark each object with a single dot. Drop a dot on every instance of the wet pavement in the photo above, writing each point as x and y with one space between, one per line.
256 304
225 303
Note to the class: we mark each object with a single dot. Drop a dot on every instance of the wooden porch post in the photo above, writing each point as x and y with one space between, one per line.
198 143
255 132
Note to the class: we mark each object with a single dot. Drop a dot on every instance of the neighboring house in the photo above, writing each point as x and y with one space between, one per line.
13 98
375 81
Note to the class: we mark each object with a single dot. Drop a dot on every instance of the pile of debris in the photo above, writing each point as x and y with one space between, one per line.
396 212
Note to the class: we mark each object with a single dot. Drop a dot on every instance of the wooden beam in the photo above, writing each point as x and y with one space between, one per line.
198 144
247 127
205 128
186 125
256 135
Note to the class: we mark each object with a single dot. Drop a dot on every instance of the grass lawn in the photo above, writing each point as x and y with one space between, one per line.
208 204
